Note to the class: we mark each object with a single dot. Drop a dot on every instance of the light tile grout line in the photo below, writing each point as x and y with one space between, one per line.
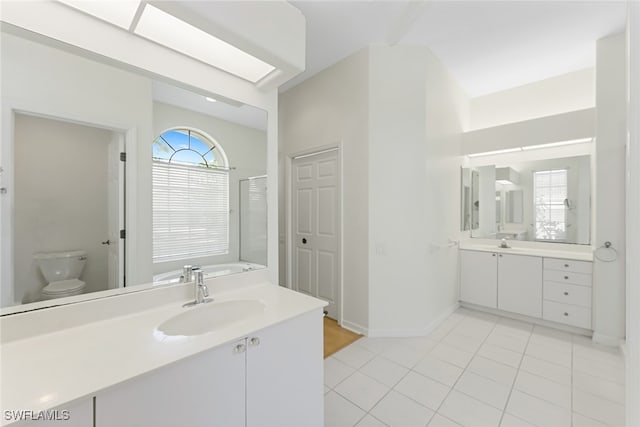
571 404
465 368
441 340
513 384
409 370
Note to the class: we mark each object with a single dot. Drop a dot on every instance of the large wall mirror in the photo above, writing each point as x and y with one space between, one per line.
543 200
80 137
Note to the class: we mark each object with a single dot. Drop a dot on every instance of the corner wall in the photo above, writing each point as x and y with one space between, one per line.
331 109
417 114
609 277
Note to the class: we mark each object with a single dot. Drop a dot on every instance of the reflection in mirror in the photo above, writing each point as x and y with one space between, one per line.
542 200
69 149
475 200
465 202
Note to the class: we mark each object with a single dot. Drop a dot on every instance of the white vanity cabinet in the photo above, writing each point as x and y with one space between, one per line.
567 292
479 278
285 374
207 389
554 289
520 284
272 378
503 281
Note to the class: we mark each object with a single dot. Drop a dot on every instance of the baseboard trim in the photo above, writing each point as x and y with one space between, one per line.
354 327
403 333
607 340
523 318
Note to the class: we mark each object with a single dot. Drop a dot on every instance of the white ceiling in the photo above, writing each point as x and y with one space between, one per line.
242 114
488 46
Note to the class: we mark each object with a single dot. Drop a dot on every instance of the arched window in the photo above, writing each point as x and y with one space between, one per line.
190 196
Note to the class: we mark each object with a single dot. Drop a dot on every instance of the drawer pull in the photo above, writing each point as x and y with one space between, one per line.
566 265
566 293
566 314
566 277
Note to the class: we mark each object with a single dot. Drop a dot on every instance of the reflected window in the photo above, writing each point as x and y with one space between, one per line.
190 196
550 199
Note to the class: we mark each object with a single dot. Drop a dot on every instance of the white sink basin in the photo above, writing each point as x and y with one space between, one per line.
210 317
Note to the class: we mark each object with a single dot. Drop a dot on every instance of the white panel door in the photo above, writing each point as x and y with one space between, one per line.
479 278
284 374
316 227
115 185
206 390
520 284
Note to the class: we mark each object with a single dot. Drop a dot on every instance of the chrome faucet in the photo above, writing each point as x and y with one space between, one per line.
187 274
201 290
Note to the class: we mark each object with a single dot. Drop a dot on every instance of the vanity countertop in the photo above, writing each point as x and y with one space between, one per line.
48 370
577 253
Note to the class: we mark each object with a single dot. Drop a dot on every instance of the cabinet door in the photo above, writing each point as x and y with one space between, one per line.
478 278
520 284
285 374
207 389
77 414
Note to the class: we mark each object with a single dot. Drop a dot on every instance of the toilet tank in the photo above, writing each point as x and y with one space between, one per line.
57 266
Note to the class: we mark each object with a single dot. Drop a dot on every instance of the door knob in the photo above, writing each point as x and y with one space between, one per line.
304 241
106 242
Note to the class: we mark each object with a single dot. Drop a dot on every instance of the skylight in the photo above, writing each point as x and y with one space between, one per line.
163 28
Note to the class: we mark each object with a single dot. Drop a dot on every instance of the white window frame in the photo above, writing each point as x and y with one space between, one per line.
549 205
190 207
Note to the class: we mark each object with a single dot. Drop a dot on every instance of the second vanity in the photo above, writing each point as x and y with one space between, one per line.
262 369
551 284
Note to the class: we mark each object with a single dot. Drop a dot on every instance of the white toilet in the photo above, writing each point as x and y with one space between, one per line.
61 270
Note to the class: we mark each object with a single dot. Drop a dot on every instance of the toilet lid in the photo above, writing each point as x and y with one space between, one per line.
63 286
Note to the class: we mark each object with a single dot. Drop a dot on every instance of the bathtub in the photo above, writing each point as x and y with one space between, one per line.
214 270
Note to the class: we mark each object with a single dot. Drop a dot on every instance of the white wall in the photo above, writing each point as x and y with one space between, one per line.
399 117
556 95
331 109
246 150
60 199
633 213
569 126
609 278
417 113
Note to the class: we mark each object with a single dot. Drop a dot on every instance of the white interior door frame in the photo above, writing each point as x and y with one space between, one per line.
11 107
289 223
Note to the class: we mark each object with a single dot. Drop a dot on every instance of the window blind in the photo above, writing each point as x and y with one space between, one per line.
550 193
190 211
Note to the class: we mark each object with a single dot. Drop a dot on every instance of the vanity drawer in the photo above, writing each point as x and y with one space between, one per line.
568 265
568 277
567 294
572 315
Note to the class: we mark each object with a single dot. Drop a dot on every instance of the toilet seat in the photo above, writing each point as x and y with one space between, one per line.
63 288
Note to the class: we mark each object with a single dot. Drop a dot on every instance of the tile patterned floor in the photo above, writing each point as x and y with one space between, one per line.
476 369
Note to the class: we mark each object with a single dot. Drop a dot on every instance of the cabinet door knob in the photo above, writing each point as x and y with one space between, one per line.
254 341
566 314
566 293
493 254
566 265
500 255
566 277
240 348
